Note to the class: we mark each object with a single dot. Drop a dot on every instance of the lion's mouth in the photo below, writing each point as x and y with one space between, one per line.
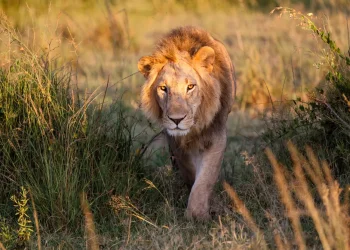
177 128
177 131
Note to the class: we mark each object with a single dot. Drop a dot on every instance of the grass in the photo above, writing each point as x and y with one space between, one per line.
57 144
85 37
71 133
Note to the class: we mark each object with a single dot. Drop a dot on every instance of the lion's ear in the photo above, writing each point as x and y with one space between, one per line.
205 57
145 65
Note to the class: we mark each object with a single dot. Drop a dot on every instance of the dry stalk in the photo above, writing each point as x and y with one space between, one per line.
279 242
120 203
36 220
329 195
241 208
303 193
287 199
2 246
314 163
327 173
346 200
91 242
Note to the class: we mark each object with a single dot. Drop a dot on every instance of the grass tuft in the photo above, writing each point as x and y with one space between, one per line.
58 145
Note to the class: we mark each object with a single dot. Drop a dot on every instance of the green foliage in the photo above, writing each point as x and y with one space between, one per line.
323 120
324 35
25 224
17 236
7 236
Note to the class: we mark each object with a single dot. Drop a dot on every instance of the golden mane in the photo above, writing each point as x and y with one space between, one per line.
172 46
190 39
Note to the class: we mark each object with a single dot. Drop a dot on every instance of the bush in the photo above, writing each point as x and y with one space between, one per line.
323 120
309 189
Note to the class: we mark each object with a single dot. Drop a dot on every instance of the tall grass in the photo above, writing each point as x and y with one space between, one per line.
309 191
323 119
313 194
79 156
59 143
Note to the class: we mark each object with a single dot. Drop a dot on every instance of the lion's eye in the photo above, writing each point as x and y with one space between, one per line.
163 88
190 86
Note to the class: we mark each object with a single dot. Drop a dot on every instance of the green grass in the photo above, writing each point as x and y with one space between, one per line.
57 143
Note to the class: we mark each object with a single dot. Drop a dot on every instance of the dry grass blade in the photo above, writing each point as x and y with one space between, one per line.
313 169
346 199
315 164
330 196
337 217
303 193
280 244
268 91
241 208
287 199
120 203
2 246
91 242
330 218
36 220
327 173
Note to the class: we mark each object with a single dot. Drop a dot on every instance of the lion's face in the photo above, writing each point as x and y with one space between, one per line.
174 91
178 95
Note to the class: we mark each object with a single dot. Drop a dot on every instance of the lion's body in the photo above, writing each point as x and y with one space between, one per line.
189 90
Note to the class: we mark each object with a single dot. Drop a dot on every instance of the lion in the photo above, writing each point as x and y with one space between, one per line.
189 90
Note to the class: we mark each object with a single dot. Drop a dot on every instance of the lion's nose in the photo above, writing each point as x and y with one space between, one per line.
176 120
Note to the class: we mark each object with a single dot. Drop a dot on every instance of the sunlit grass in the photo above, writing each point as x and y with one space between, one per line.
70 129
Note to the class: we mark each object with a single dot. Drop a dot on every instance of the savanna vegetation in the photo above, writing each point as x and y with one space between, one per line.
76 167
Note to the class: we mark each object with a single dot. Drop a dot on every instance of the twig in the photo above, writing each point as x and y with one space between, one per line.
284 81
332 110
145 147
273 107
293 74
124 78
103 100
129 226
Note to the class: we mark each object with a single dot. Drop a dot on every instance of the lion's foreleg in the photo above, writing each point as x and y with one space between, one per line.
207 173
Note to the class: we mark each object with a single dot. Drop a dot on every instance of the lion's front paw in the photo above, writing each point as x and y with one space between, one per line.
201 214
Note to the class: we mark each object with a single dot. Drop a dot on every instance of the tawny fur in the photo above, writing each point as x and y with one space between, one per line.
198 154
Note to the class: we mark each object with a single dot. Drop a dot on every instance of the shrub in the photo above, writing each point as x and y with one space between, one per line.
324 119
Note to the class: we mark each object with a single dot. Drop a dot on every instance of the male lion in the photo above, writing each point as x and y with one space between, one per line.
189 90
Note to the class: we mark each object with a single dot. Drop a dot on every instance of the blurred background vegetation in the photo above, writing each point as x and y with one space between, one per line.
70 121
106 38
